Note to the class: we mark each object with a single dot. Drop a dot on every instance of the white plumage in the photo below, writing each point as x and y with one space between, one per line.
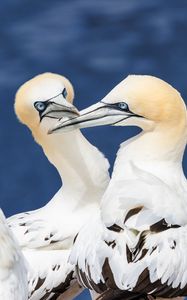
49 273
46 235
137 242
13 270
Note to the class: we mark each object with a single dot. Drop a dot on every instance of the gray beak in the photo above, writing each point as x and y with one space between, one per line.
98 114
56 110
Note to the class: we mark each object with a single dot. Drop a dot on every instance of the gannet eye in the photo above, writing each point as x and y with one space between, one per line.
123 106
64 93
40 106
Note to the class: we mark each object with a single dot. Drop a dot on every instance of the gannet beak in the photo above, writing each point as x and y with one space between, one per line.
57 110
101 113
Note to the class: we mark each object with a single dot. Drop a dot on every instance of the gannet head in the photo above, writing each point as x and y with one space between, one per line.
139 100
44 99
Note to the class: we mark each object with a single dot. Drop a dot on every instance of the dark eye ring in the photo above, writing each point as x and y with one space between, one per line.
123 106
64 93
40 106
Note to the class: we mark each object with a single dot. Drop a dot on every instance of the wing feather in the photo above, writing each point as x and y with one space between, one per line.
13 269
50 274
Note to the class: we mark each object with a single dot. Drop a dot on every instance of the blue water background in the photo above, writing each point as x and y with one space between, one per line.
94 43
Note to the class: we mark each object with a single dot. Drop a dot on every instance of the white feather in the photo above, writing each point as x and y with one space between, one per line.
13 269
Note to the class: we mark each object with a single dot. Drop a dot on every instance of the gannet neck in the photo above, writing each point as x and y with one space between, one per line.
81 166
159 151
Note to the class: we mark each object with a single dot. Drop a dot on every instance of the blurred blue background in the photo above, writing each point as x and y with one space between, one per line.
95 44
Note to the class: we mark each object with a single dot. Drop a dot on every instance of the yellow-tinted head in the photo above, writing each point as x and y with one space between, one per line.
148 97
140 100
45 97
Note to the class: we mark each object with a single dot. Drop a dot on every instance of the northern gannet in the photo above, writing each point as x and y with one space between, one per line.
13 268
84 171
137 244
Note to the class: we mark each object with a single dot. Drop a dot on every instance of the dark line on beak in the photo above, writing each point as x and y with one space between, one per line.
75 123
98 108
101 117
51 117
57 111
87 120
81 116
54 97
58 104
130 116
121 120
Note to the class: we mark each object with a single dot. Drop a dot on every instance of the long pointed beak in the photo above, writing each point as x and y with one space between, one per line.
57 110
98 114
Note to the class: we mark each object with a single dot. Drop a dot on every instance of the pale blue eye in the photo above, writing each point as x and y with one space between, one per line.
123 106
40 106
64 93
